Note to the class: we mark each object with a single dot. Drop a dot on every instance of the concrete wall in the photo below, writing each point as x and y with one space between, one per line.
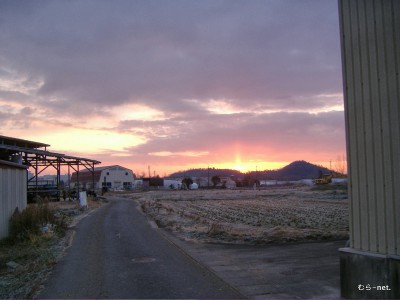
12 192
370 38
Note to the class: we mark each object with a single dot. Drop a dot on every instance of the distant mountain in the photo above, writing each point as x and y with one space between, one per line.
296 170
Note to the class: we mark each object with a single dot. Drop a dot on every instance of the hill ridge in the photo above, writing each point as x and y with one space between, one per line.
296 170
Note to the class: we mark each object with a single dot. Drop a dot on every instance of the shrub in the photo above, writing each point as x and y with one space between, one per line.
29 222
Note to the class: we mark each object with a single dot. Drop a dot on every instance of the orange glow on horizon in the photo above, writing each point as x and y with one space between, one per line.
249 166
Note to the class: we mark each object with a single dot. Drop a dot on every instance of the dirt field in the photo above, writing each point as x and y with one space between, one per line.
273 215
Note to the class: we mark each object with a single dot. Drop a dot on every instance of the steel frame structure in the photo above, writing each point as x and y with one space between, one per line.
27 153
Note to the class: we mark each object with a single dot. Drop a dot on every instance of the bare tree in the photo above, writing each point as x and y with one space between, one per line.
215 180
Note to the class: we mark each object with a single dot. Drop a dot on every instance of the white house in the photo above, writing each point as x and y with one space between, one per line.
113 177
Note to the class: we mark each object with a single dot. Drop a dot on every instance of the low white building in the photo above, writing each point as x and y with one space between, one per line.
175 184
113 177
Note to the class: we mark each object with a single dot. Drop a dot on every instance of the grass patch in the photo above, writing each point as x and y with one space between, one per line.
36 242
34 258
33 221
31 248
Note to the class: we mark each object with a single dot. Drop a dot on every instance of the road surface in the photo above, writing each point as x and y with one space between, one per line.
117 254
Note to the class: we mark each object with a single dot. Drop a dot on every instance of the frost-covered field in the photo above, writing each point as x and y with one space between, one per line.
250 216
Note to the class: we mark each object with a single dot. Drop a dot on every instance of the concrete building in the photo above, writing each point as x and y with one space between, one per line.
13 179
370 40
113 177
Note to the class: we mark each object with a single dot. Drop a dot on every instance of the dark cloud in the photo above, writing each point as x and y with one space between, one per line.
226 75
161 53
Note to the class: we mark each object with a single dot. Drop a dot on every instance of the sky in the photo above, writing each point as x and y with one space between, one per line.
177 84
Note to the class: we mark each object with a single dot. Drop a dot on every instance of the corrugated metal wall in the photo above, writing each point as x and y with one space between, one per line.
12 193
371 62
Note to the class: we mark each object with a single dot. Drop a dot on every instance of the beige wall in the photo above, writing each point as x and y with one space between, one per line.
371 64
12 192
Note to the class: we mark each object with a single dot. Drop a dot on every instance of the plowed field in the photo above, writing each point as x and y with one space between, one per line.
250 216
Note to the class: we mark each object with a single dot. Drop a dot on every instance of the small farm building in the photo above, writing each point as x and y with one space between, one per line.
113 177
13 181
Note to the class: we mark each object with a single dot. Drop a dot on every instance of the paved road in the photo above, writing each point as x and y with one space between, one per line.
117 254
290 271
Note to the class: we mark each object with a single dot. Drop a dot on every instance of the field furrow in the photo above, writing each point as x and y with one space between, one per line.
250 216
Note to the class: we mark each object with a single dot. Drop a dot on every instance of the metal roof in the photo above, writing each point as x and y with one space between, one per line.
45 153
106 168
86 175
12 164
6 140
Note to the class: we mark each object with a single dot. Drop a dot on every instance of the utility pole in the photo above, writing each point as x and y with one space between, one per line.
208 176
